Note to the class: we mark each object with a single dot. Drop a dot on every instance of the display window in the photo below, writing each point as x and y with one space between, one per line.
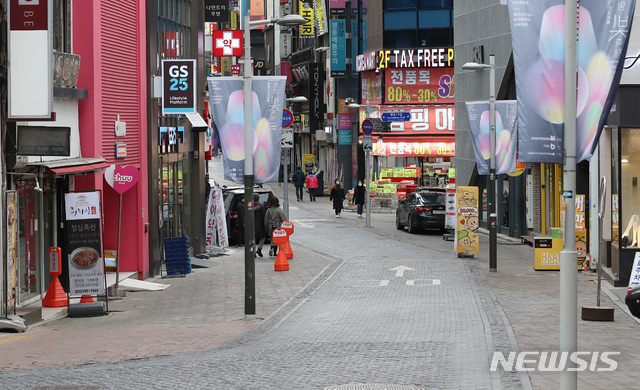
627 207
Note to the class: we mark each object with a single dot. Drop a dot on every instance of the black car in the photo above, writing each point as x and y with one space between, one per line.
231 198
633 300
421 210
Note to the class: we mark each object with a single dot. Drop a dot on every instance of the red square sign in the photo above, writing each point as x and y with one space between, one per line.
235 70
227 43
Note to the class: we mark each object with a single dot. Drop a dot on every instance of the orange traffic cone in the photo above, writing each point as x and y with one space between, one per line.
87 298
286 248
56 297
281 263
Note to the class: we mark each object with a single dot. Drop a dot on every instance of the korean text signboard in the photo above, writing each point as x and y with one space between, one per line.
84 243
419 86
216 11
178 86
338 48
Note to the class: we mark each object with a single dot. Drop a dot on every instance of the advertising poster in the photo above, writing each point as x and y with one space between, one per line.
84 243
306 11
12 249
537 34
216 222
226 99
467 239
309 162
506 136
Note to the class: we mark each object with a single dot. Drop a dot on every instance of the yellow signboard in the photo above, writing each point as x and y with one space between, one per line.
306 11
467 239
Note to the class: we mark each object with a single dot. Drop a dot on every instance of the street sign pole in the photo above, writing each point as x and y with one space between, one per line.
367 129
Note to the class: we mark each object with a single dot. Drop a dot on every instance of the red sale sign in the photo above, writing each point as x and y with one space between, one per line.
419 86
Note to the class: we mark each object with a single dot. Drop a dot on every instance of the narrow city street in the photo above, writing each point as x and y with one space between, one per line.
359 306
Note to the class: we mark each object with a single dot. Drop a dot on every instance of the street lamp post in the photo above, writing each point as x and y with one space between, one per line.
285 202
491 193
367 173
249 228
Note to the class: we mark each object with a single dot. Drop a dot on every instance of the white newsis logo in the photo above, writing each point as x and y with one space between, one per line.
555 361
123 178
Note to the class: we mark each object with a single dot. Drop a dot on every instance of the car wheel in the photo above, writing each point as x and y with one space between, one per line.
399 226
412 229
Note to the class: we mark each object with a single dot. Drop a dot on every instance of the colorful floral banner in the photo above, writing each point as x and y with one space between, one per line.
602 41
227 101
479 125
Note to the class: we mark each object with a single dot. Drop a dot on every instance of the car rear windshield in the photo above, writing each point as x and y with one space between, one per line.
432 198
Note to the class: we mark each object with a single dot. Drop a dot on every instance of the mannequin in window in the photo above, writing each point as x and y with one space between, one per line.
634 222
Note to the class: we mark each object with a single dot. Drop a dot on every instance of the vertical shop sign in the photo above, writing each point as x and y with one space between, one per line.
467 239
316 95
321 16
178 86
12 249
337 7
84 243
338 48
603 38
306 11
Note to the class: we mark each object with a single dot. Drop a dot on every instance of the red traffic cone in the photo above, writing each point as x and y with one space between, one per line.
56 297
87 299
281 263
286 248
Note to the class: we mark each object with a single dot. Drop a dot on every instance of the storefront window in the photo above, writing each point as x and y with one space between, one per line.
630 196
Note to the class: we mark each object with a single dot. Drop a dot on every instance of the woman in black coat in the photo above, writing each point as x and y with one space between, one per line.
359 197
258 223
337 196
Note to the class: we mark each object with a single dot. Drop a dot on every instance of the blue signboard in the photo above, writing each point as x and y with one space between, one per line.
338 48
395 116
344 137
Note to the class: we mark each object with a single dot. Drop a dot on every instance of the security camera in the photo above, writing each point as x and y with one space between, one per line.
377 70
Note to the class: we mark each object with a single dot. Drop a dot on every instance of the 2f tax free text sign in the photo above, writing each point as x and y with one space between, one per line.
178 86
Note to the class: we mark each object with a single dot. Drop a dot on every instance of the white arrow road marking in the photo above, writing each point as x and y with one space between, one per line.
423 282
400 270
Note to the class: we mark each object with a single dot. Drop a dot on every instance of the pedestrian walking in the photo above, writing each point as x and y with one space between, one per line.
298 180
258 221
312 186
337 195
359 196
240 224
273 218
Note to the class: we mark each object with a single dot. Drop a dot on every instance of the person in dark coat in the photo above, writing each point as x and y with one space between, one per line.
258 222
273 218
359 197
298 179
240 211
337 196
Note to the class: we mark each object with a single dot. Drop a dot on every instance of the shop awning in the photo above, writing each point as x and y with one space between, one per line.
71 166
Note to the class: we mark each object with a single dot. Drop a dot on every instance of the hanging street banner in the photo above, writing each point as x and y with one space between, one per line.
178 86
604 28
480 128
12 249
83 234
216 222
226 99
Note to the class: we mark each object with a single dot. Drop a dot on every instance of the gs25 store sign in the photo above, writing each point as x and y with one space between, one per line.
178 86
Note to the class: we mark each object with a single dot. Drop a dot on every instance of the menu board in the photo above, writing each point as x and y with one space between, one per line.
83 235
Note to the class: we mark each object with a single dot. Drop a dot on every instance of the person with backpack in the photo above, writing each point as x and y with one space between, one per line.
298 180
273 218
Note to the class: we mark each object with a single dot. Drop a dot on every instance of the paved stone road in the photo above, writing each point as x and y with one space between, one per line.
432 323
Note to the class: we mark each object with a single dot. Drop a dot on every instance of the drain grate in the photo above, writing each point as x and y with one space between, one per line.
360 386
